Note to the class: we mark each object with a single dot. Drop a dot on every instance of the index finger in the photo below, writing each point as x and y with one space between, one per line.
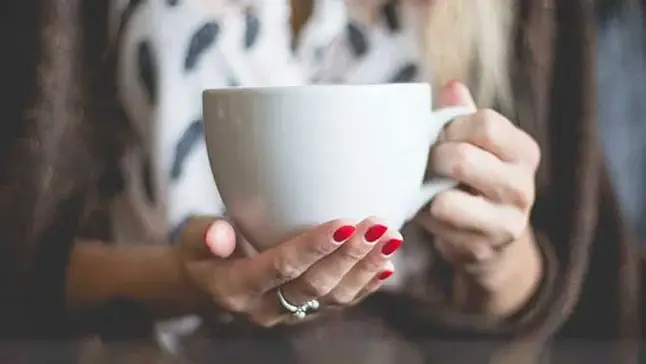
494 133
289 260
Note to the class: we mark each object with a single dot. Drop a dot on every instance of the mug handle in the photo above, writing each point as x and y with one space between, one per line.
429 189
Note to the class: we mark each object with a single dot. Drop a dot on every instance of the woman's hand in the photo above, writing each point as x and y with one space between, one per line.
482 227
336 263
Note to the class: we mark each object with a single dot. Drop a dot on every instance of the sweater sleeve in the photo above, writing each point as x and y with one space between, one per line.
432 316
35 305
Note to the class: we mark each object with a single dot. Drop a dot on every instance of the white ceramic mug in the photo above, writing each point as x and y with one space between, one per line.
288 158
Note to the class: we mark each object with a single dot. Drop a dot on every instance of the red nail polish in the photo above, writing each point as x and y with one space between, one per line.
385 275
375 232
343 233
391 246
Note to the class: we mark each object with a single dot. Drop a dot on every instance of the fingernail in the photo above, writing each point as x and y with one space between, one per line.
343 233
453 82
374 233
385 275
211 236
391 246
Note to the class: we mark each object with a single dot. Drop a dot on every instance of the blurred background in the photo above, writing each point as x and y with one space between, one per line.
621 67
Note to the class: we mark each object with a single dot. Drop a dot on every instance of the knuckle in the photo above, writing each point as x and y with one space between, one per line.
516 229
285 269
522 197
461 161
514 194
515 232
354 252
533 153
321 247
441 207
234 303
317 287
490 126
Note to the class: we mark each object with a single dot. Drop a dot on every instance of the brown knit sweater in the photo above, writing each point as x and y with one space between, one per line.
592 284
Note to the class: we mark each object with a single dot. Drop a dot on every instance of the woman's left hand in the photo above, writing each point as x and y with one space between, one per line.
495 163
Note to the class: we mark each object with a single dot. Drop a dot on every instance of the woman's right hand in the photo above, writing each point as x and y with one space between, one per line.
336 263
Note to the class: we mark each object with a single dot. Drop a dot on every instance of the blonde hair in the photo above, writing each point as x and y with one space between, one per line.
466 40
470 40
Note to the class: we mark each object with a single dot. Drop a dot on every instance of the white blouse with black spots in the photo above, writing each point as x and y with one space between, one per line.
174 49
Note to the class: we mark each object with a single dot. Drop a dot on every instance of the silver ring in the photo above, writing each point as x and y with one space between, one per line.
298 311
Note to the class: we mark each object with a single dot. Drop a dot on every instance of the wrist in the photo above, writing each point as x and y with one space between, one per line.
507 285
150 275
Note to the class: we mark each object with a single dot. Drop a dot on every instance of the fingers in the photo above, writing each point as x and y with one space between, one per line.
375 283
461 248
462 211
269 313
483 171
326 274
334 263
493 132
374 268
289 260
464 248
204 237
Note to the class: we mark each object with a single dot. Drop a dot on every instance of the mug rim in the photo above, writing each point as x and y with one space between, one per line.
314 87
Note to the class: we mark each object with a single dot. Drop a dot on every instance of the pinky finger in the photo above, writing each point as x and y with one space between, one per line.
375 283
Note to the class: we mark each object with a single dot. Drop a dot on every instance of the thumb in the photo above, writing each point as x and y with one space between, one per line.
204 238
455 93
